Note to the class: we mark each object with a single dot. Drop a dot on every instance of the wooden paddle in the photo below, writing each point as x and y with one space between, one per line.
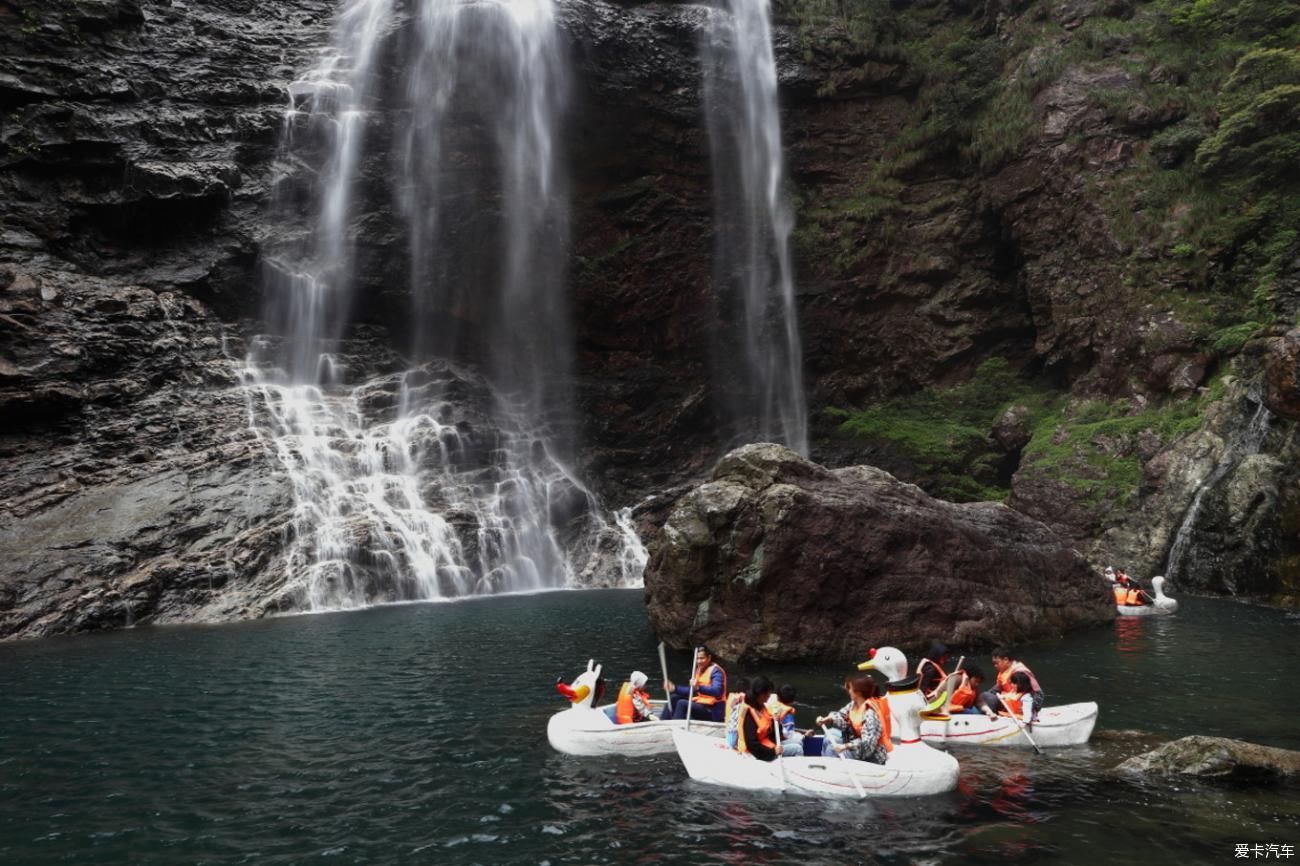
1022 728
663 666
690 690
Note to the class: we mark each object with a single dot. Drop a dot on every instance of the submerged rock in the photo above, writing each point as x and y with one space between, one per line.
1217 758
775 557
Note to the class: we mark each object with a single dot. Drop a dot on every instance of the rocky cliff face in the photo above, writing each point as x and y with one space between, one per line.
137 147
775 557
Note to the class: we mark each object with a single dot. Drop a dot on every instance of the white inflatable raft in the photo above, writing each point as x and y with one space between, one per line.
591 731
913 769
1066 725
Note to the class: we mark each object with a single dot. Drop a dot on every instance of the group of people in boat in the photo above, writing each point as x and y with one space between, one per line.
761 719
1128 592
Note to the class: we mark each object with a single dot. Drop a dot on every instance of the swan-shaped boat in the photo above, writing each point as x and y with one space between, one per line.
586 730
1163 603
913 769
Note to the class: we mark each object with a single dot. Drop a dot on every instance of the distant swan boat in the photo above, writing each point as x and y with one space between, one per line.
1163 603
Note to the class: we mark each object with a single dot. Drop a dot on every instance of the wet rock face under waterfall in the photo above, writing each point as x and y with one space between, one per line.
777 558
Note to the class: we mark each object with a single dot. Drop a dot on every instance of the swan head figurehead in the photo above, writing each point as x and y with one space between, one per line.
585 689
1163 601
889 661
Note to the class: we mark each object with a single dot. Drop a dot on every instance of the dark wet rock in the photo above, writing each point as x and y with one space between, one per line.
132 489
777 558
1012 430
1282 376
1217 759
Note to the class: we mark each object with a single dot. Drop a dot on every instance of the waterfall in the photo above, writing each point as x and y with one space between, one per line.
760 367
1244 442
440 467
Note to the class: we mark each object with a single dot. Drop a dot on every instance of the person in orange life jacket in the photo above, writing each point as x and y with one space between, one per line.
1006 664
1129 592
758 734
735 707
782 706
858 727
967 692
633 701
1018 701
710 692
930 669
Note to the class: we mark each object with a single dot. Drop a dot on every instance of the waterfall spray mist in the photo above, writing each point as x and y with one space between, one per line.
450 477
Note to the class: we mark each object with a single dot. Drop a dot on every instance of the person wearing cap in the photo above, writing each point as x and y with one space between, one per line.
633 701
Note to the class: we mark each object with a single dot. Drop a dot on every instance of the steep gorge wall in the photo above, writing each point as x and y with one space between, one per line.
137 145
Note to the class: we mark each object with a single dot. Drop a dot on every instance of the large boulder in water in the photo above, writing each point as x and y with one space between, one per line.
1218 759
778 558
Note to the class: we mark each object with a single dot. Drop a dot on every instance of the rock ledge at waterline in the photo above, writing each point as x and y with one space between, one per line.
777 558
1217 758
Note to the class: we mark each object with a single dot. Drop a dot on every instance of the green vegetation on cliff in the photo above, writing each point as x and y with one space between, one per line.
1207 210
1170 132
940 437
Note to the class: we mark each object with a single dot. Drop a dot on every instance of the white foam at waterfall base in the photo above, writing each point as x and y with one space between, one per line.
405 510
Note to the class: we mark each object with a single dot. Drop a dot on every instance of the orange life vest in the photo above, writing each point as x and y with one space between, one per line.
964 697
624 709
881 706
763 723
1004 678
920 671
1134 597
1012 702
1121 594
704 679
782 710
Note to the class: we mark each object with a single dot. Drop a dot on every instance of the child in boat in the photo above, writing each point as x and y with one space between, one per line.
967 691
857 728
633 701
782 707
757 733
735 706
1019 700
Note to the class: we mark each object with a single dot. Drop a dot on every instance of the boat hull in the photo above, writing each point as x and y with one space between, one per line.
1066 725
591 733
1146 609
910 774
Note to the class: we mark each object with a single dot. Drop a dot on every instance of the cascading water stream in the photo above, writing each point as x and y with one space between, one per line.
753 262
435 481
1246 441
